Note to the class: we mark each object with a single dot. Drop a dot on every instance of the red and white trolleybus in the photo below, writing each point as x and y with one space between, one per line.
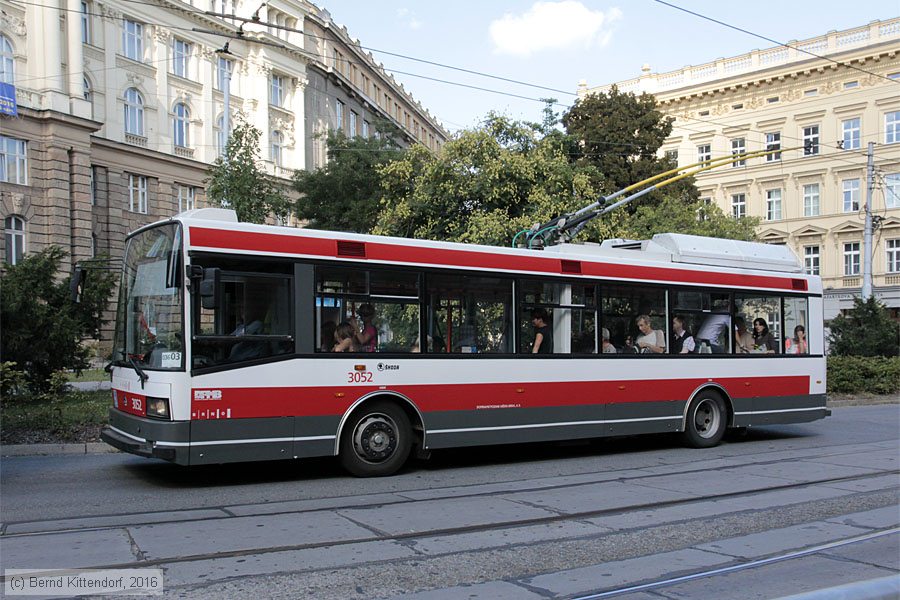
239 342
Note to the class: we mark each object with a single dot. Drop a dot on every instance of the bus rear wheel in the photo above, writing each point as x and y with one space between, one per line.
376 441
706 421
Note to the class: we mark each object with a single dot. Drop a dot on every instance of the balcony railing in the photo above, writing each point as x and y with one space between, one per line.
184 152
136 140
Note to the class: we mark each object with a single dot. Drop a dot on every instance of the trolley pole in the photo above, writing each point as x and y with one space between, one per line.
867 230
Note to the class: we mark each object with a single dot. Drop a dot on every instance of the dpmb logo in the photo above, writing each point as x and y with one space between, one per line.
387 367
207 394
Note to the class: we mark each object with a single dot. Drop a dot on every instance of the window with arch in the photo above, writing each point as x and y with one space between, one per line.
182 125
277 146
88 93
7 61
134 112
15 239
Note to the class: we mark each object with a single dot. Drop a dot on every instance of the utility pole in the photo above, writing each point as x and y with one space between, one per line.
867 230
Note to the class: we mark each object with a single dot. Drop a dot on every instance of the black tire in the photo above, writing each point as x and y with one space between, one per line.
706 421
376 440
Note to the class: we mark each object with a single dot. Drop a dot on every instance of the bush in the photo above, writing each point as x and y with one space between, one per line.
866 330
42 328
863 374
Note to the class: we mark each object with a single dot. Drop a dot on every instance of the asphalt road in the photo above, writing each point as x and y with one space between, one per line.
784 510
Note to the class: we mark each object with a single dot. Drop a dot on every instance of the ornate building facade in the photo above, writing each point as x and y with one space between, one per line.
823 111
121 108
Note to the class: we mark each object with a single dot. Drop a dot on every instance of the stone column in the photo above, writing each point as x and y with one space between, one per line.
75 61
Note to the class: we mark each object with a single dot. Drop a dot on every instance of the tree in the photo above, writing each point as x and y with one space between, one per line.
42 328
344 195
484 186
620 135
238 181
680 215
866 330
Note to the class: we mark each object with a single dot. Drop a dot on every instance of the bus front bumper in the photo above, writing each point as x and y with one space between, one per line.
166 440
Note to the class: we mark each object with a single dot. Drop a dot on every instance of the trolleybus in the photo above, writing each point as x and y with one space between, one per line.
241 342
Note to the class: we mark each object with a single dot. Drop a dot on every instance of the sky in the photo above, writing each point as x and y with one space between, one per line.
557 43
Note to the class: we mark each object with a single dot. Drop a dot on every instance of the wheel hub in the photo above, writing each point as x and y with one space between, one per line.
375 438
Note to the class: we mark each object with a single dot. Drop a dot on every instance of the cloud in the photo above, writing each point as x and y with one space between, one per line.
409 18
552 26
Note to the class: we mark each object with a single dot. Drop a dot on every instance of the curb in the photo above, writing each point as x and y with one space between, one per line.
56 449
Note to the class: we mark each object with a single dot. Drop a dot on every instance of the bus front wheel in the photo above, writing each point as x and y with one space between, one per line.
376 441
706 421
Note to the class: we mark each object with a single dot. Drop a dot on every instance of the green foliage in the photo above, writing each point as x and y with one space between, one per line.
486 184
866 330
620 135
12 380
863 374
344 195
65 417
42 328
674 215
238 181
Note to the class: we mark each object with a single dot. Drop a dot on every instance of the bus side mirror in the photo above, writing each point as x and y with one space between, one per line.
209 287
76 284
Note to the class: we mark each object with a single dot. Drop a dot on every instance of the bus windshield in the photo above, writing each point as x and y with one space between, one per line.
149 316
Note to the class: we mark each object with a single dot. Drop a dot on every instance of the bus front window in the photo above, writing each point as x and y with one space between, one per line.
149 319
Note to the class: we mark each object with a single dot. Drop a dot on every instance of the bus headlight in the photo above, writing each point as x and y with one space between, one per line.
158 407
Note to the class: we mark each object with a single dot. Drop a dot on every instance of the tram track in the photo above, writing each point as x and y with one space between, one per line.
405 496
380 536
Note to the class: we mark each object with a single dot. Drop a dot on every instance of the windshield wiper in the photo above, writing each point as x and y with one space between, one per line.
144 377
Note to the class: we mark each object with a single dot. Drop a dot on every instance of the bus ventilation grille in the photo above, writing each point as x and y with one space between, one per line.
352 249
570 266
798 284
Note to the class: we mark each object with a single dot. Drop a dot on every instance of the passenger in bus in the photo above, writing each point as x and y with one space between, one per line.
682 340
651 341
608 348
715 331
345 338
543 340
326 336
763 340
743 339
367 338
629 347
797 344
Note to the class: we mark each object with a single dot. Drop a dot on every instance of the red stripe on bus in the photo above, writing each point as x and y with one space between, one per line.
334 401
294 244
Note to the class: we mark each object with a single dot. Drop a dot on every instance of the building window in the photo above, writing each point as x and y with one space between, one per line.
811 259
221 137
133 40
93 245
86 85
811 92
7 61
15 239
738 205
773 142
892 190
704 153
811 140
182 125
276 148
185 198
137 194
672 155
850 128
851 195
772 100
353 119
851 258
738 147
365 129
224 69
892 127
85 23
93 185
339 114
134 112
773 205
849 85
811 200
276 90
893 255
181 57
13 160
